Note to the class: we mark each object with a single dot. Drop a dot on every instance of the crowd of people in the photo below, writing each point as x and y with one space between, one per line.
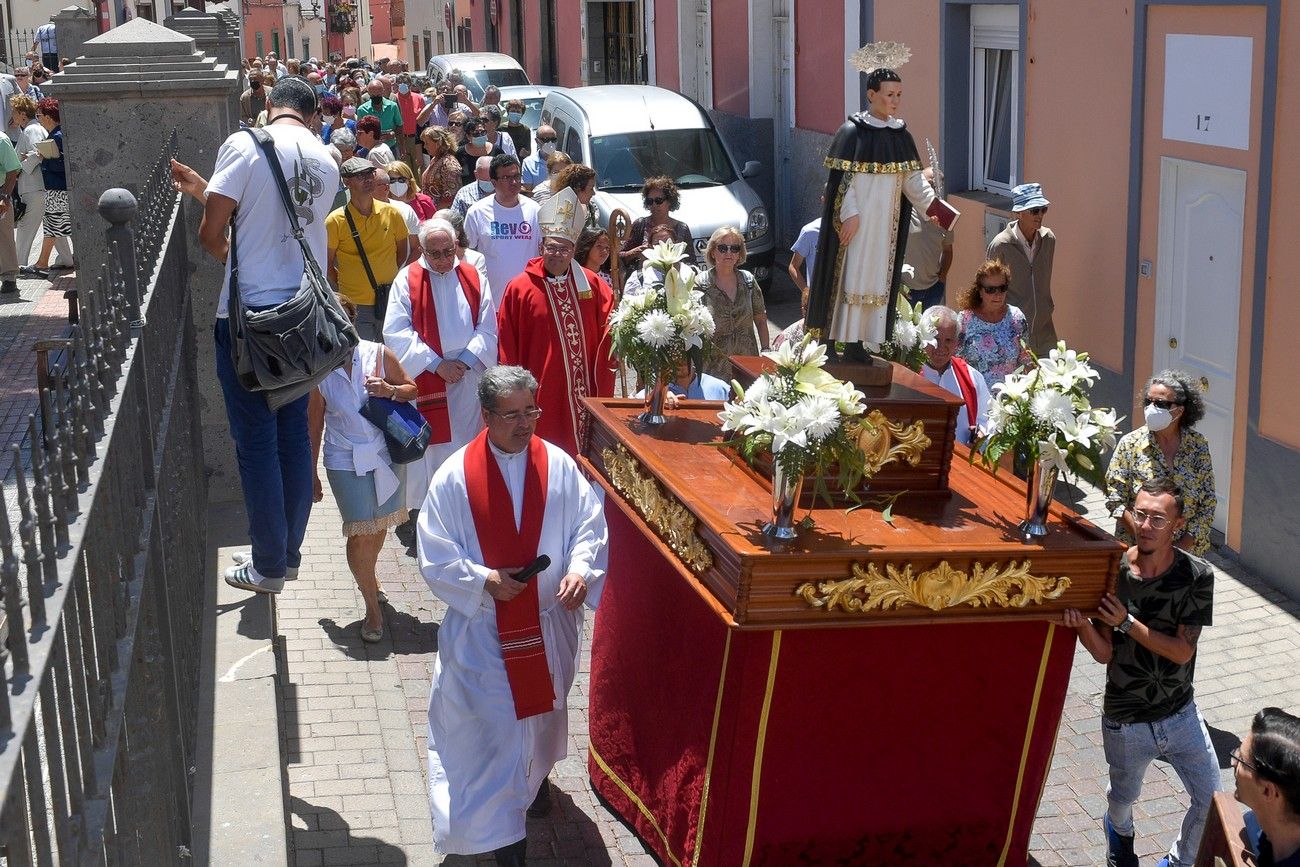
34 192
482 296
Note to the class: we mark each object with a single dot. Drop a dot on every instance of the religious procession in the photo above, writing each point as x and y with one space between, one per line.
820 589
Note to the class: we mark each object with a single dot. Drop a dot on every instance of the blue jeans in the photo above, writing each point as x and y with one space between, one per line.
928 297
1182 740
275 466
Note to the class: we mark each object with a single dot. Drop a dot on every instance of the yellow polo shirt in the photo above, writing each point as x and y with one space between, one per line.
380 233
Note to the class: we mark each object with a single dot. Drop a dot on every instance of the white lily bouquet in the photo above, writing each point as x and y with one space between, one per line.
913 332
806 418
653 330
1044 414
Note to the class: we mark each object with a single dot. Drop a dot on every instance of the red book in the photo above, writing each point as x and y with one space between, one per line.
944 213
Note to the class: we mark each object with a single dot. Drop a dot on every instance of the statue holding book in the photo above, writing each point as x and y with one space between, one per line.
875 180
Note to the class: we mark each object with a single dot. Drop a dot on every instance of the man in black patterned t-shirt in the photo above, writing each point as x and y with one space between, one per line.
1147 638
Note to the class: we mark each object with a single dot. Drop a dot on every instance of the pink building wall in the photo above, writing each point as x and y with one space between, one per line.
818 62
731 56
668 71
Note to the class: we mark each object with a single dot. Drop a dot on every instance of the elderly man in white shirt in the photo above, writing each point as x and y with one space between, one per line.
508 644
442 325
954 374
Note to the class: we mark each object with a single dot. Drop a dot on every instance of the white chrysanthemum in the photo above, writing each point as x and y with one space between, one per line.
821 417
1051 407
906 334
656 329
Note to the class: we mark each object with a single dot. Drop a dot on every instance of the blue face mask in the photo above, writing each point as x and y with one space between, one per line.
480 140
485 186
403 89
515 116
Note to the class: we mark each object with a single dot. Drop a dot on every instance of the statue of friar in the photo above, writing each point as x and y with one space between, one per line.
875 180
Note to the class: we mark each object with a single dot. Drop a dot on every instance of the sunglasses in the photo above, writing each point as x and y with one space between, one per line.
551 140
994 290
455 123
730 248
1036 211
655 200
1160 404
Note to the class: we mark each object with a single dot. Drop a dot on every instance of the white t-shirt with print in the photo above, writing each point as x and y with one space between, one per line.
270 262
507 237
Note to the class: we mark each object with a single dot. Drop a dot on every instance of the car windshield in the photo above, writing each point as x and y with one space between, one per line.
477 80
691 157
533 111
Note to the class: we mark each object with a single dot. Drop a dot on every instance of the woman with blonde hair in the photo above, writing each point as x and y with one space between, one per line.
403 187
441 177
736 301
555 164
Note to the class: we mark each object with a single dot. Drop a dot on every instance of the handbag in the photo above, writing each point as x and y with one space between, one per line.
406 433
381 289
19 206
284 351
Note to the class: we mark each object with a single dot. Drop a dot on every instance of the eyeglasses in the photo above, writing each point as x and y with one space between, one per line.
1157 522
655 200
556 249
1042 209
439 254
1161 404
512 417
729 248
509 179
994 290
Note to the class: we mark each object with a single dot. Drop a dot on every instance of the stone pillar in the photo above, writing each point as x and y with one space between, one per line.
156 81
73 28
211 36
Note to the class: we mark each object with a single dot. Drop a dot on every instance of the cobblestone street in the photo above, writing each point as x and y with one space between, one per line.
355 721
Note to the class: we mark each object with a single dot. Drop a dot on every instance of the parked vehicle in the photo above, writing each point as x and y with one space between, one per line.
532 96
479 69
628 133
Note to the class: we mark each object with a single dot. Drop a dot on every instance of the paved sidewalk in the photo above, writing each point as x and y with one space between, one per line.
355 722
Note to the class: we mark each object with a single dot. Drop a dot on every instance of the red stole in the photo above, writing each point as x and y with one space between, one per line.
431 389
967 386
519 620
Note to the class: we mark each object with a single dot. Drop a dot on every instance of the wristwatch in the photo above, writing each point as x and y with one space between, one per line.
1126 624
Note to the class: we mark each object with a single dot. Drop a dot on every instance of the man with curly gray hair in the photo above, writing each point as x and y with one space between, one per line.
1167 446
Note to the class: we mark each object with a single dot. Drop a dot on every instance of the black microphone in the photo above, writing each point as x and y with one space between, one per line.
532 569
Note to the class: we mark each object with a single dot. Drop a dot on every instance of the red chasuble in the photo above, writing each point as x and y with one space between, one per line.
518 621
562 338
431 389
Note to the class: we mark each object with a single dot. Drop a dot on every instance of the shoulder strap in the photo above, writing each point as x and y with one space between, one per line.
356 239
267 145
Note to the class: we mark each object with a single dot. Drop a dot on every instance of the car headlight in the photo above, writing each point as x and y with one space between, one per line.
757 226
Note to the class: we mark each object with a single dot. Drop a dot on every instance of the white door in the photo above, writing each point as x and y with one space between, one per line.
1198 295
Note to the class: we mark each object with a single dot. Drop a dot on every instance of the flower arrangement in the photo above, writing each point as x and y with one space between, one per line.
913 332
807 419
1044 414
653 330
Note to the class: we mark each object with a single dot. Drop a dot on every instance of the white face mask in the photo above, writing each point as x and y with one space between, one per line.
326 120
485 186
547 149
1158 419
398 188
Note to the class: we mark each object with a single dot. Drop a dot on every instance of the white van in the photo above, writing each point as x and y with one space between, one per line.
479 69
628 133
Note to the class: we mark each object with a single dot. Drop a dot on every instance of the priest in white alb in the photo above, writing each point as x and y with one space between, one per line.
442 325
507 649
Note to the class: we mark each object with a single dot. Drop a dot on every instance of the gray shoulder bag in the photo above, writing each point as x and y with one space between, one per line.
285 350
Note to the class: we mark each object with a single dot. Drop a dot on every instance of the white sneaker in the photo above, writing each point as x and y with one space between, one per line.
244 558
246 578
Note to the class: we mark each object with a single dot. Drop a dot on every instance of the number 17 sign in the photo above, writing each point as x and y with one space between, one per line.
1208 89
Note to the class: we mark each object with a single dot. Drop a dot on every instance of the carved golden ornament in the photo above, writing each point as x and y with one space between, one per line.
673 521
871 168
883 441
1008 586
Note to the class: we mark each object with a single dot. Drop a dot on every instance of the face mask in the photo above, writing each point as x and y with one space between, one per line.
376 100
398 188
349 111
256 85
326 120
515 116
1158 419
403 89
547 149
480 140
485 186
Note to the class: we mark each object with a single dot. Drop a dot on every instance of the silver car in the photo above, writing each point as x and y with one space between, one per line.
478 69
628 133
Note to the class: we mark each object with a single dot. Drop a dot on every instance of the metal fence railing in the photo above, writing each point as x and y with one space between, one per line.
16 44
102 575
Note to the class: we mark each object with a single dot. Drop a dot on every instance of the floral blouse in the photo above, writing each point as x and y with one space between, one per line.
734 332
1138 458
994 349
441 179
